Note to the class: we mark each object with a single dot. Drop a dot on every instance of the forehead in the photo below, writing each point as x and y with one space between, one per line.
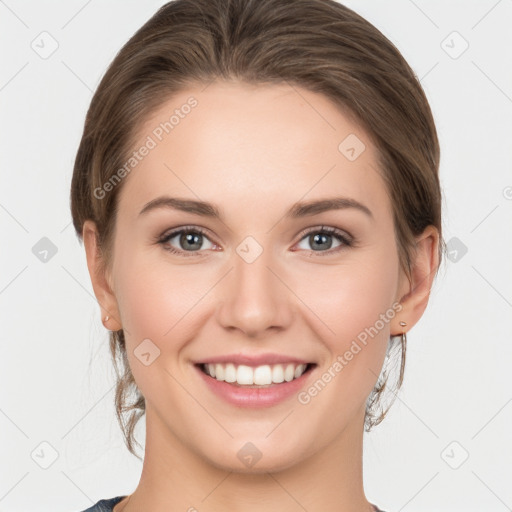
260 146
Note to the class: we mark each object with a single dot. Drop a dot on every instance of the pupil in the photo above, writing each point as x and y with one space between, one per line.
320 238
193 239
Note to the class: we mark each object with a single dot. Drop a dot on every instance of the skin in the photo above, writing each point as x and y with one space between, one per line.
254 151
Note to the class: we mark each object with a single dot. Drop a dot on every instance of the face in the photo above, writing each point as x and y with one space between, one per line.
264 280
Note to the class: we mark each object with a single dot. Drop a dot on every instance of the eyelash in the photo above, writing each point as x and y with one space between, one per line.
347 241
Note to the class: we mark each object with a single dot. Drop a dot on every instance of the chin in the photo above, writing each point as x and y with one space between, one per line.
252 457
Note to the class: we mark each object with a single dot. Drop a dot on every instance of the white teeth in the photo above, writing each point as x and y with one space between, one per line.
219 372
298 372
289 373
264 375
230 373
277 374
245 375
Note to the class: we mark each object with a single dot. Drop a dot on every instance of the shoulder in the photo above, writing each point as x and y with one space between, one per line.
105 505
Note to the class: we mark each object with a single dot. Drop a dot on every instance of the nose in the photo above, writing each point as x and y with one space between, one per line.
255 298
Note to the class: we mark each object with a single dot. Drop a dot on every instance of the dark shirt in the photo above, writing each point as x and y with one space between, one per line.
105 505
108 505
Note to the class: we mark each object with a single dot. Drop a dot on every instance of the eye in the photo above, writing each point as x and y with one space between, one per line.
321 240
189 240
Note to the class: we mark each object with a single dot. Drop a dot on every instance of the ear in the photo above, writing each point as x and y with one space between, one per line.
414 294
99 278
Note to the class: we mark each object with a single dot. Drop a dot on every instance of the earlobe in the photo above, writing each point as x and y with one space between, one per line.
423 271
102 290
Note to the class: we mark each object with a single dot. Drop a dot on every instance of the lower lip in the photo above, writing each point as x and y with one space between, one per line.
242 396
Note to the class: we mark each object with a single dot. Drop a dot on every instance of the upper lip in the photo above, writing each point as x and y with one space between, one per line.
253 360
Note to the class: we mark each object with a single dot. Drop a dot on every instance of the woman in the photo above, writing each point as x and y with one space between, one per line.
258 196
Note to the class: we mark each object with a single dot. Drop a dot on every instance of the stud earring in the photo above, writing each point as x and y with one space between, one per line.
106 318
403 324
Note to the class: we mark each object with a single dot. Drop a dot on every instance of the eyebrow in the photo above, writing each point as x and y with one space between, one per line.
298 210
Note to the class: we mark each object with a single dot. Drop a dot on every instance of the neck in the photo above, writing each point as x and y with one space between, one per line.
176 478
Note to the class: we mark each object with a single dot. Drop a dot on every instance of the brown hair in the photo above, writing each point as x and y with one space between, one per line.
320 45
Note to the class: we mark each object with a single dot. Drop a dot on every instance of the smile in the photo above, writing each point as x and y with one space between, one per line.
264 375
246 386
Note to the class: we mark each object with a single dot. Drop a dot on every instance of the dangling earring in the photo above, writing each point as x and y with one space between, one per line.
404 336
403 344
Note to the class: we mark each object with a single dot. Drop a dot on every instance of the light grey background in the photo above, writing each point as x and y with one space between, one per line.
56 377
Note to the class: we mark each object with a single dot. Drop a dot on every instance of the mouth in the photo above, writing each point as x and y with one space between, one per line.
262 376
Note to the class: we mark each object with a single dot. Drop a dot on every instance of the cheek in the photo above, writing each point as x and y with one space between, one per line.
350 298
356 302
160 300
365 341
156 303
144 287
